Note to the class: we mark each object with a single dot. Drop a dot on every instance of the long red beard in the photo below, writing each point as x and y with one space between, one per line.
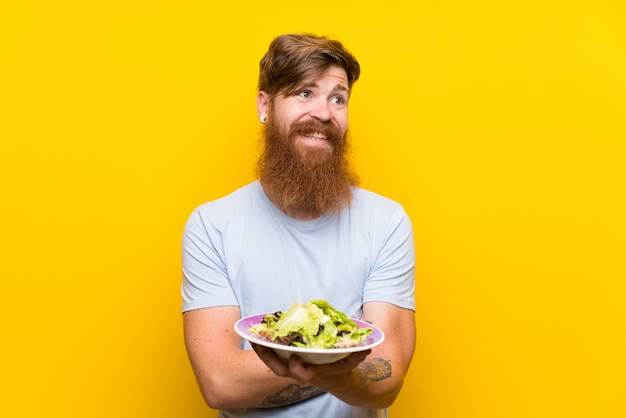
311 180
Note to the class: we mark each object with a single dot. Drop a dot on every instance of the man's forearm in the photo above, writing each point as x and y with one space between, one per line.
291 394
250 384
371 385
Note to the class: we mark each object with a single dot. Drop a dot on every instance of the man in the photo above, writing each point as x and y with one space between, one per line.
303 231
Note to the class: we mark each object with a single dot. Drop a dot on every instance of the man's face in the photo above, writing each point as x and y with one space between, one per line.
314 118
304 163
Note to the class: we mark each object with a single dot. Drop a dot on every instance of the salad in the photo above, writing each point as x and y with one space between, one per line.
314 325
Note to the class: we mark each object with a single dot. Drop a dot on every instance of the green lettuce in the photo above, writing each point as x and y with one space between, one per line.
314 325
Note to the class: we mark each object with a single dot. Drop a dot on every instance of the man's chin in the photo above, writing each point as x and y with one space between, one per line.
315 154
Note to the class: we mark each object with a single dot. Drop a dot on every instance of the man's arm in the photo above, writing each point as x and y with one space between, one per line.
373 382
228 376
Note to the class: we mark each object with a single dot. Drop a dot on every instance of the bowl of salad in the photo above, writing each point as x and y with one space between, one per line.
316 332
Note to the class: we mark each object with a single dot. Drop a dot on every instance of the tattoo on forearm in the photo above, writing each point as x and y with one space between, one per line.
291 394
375 369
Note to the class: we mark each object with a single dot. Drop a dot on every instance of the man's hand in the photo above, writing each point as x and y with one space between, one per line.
315 374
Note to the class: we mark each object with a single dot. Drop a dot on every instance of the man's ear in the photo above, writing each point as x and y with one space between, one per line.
262 103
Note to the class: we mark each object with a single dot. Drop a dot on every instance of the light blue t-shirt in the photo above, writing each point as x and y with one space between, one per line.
242 251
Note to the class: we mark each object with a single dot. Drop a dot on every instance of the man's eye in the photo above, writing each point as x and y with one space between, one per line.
306 94
338 100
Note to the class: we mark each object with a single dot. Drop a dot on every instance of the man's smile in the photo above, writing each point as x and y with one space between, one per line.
314 139
316 136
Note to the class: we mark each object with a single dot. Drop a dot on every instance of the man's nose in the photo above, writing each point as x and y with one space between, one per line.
321 111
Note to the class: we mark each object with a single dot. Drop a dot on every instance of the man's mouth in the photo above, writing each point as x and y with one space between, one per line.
316 136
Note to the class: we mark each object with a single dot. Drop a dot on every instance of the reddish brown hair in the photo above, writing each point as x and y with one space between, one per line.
294 57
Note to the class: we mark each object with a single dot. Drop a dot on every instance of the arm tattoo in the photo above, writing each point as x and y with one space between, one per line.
375 369
291 394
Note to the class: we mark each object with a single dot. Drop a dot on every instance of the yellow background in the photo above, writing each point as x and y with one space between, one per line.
499 125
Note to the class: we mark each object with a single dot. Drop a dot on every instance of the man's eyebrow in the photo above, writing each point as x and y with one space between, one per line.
338 87
341 87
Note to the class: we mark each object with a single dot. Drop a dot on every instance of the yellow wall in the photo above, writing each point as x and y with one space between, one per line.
500 126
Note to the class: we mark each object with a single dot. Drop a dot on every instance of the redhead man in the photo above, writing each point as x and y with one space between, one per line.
304 230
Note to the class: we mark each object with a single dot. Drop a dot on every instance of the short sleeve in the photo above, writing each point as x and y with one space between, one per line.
205 277
392 278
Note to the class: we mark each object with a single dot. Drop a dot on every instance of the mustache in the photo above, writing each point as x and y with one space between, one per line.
328 129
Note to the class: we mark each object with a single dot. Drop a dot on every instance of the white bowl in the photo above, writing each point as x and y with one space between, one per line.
308 355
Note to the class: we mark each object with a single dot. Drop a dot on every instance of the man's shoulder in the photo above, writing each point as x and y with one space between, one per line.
371 206
225 207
